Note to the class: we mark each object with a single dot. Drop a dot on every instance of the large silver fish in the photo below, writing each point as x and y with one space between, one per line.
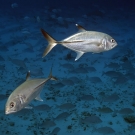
82 42
25 93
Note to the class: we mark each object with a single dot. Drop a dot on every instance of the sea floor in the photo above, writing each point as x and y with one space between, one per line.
99 88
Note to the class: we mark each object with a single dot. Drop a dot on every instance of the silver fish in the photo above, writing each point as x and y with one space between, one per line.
25 93
82 42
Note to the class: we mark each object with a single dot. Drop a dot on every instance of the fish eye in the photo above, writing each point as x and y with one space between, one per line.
112 40
12 104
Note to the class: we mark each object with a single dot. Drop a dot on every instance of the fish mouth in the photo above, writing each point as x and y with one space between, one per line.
116 44
9 112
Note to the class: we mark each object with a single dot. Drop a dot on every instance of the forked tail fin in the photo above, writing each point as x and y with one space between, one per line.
52 42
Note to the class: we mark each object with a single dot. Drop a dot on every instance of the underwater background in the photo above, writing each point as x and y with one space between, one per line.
94 95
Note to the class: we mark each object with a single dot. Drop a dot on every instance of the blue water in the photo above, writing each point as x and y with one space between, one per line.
99 88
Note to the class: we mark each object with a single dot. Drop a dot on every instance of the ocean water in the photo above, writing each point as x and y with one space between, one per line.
94 95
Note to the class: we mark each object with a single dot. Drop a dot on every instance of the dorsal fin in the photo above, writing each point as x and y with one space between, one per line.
51 76
28 75
80 28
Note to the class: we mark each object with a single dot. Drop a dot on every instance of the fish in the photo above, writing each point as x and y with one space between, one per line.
80 70
112 74
66 106
105 130
93 119
87 97
18 62
46 124
25 93
82 42
104 110
55 131
112 65
62 116
90 69
43 107
67 82
14 5
126 111
95 80
111 98
1 58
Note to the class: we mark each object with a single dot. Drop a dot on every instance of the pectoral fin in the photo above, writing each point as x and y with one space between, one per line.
104 44
28 107
39 98
79 54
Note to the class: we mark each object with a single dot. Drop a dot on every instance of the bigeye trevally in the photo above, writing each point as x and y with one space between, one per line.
82 42
25 93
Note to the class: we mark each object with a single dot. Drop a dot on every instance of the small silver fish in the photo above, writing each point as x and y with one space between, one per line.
82 42
25 93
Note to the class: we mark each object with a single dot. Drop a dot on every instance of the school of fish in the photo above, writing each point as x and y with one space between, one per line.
82 42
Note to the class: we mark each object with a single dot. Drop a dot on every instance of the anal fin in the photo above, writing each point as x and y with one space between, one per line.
39 98
79 54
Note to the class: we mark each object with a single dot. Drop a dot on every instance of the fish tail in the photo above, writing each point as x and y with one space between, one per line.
51 76
52 42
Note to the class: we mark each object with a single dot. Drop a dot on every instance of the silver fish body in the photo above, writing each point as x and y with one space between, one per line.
24 94
83 42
